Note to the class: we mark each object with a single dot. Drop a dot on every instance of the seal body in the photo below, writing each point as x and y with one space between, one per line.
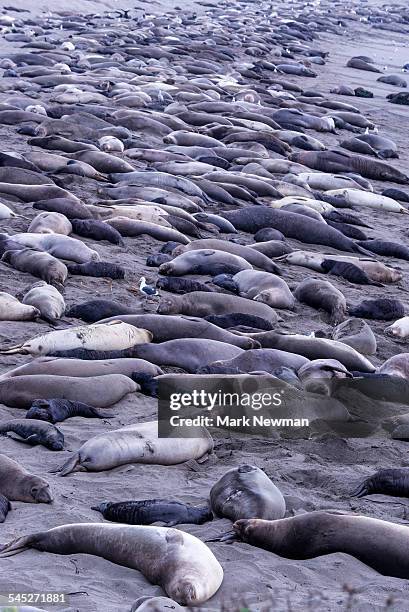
180 563
246 492
148 511
19 485
323 295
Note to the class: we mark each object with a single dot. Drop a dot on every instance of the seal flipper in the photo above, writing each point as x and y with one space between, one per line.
16 546
225 281
361 490
72 465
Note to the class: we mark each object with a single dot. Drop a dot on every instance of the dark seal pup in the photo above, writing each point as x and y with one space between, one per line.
33 432
385 309
98 269
58 410
98 230
148 511
387 482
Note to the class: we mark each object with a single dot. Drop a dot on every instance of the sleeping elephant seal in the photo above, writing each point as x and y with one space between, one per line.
315 348
291 224
202 304
257 260
82 368
357 334
102 391
148 511
180 563
13 310
246 492
256 360
397 365
19 485
180 326
187 353
379 544
47 299
322 295
259 286
316 375
50 223
44 266
204 261
138 443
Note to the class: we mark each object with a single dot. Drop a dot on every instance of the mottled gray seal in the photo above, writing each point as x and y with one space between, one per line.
259 286
246 492
47 299
19 485
13 310
357 334
256 360
379 544
180 563
34 432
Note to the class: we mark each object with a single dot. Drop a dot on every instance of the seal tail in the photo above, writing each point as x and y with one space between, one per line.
360 491
360 249
228 537
16 546
72 465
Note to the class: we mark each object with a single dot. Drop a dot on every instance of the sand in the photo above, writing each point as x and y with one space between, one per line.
313 475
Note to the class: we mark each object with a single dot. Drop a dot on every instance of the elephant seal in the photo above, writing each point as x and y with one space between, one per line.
5 507
96 310
114 335
236 320
204 261
388 249
349 271
175 284
399 329
187 353
357 334
257 260
180 326
180 563
292 225
322 295
246 492
59 246
65 206
372 144
315 348
148 511
47 299
256 360
259 286
97 269
384 309
19 485
100 391
155 604
316 375
42 265
397 365
268 233
34 432
133 227
97 230
379 544
58 410
272 248
81 368
393 79
130 445
393 482
361 64
13 310
50 223
202 304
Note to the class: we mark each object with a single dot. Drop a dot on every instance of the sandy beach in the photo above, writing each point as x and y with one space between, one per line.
315 474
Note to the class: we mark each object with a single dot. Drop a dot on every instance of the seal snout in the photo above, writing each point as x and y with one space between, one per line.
185 592
41 494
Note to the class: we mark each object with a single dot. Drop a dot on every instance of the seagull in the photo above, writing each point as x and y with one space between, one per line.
147 289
